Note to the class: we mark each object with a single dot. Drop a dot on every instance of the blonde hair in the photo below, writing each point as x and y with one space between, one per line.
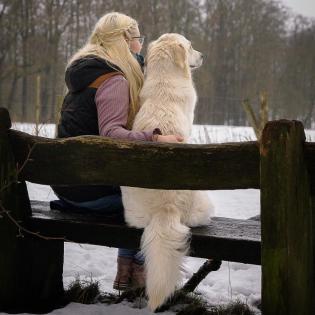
108 41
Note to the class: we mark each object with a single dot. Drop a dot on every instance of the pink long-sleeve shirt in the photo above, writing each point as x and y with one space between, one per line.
112 103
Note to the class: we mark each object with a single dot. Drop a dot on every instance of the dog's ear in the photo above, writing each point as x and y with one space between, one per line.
150 52
180 56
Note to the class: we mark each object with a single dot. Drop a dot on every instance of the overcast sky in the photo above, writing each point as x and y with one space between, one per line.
304 7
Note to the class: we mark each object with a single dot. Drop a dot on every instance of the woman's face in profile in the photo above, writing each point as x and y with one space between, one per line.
135 44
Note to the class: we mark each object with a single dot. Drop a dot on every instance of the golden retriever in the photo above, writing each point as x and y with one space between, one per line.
168 99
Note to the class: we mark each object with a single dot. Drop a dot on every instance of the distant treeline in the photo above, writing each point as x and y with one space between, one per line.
251 46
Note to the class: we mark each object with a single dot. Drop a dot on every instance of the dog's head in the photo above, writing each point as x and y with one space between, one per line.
175 49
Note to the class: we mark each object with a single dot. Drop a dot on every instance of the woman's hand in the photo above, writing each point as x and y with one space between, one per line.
170 138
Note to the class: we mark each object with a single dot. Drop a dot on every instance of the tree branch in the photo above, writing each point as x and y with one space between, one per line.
4 212
203 271
191 284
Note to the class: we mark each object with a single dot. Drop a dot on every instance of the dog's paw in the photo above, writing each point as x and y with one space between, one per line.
201 211
198 218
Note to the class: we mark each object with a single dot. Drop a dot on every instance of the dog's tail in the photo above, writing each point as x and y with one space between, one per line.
164 243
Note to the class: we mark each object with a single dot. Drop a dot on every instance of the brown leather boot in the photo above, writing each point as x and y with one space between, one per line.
138 275
123 277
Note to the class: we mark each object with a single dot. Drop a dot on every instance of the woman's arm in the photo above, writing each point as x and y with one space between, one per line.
112 103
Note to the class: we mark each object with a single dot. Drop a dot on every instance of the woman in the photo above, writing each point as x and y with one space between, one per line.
104 79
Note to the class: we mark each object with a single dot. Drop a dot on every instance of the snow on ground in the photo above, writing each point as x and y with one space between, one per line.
100 309
233 280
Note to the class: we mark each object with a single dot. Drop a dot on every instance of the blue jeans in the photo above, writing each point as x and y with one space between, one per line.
109 206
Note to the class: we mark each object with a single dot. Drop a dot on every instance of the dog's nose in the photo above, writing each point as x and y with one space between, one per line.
202 56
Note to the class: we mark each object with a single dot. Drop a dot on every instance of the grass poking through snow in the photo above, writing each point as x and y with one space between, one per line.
88 292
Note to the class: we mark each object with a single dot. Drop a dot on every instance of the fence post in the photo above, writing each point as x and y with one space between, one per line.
30 268
286 222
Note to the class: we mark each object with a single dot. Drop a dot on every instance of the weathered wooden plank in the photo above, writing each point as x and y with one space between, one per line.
30 269
286 218
225 239
99 160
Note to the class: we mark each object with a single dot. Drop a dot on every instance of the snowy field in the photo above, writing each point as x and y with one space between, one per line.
233 280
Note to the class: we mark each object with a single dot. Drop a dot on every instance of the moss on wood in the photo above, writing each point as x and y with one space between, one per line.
286 218
98 160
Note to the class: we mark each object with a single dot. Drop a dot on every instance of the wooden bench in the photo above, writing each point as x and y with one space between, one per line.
282 166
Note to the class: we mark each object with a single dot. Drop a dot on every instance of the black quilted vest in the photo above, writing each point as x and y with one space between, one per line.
78 112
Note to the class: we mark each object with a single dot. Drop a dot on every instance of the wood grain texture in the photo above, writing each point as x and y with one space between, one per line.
99 160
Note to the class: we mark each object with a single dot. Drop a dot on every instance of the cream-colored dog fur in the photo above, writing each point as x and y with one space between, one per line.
167 100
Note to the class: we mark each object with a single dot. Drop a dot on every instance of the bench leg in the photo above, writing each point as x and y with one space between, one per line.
30 270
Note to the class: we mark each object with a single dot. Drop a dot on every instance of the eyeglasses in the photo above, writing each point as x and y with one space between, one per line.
140 38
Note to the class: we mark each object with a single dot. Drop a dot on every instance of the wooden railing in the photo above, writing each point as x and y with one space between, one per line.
95 160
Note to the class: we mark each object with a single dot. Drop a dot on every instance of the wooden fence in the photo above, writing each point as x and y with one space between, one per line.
282 166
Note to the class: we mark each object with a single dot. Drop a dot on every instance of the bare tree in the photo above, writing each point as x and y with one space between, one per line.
248 48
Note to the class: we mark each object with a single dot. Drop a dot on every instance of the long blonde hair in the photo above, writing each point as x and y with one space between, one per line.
108 41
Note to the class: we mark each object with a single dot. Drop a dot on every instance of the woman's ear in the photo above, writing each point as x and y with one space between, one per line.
127 34
127 37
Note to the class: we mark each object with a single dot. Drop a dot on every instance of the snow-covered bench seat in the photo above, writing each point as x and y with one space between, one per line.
224 239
